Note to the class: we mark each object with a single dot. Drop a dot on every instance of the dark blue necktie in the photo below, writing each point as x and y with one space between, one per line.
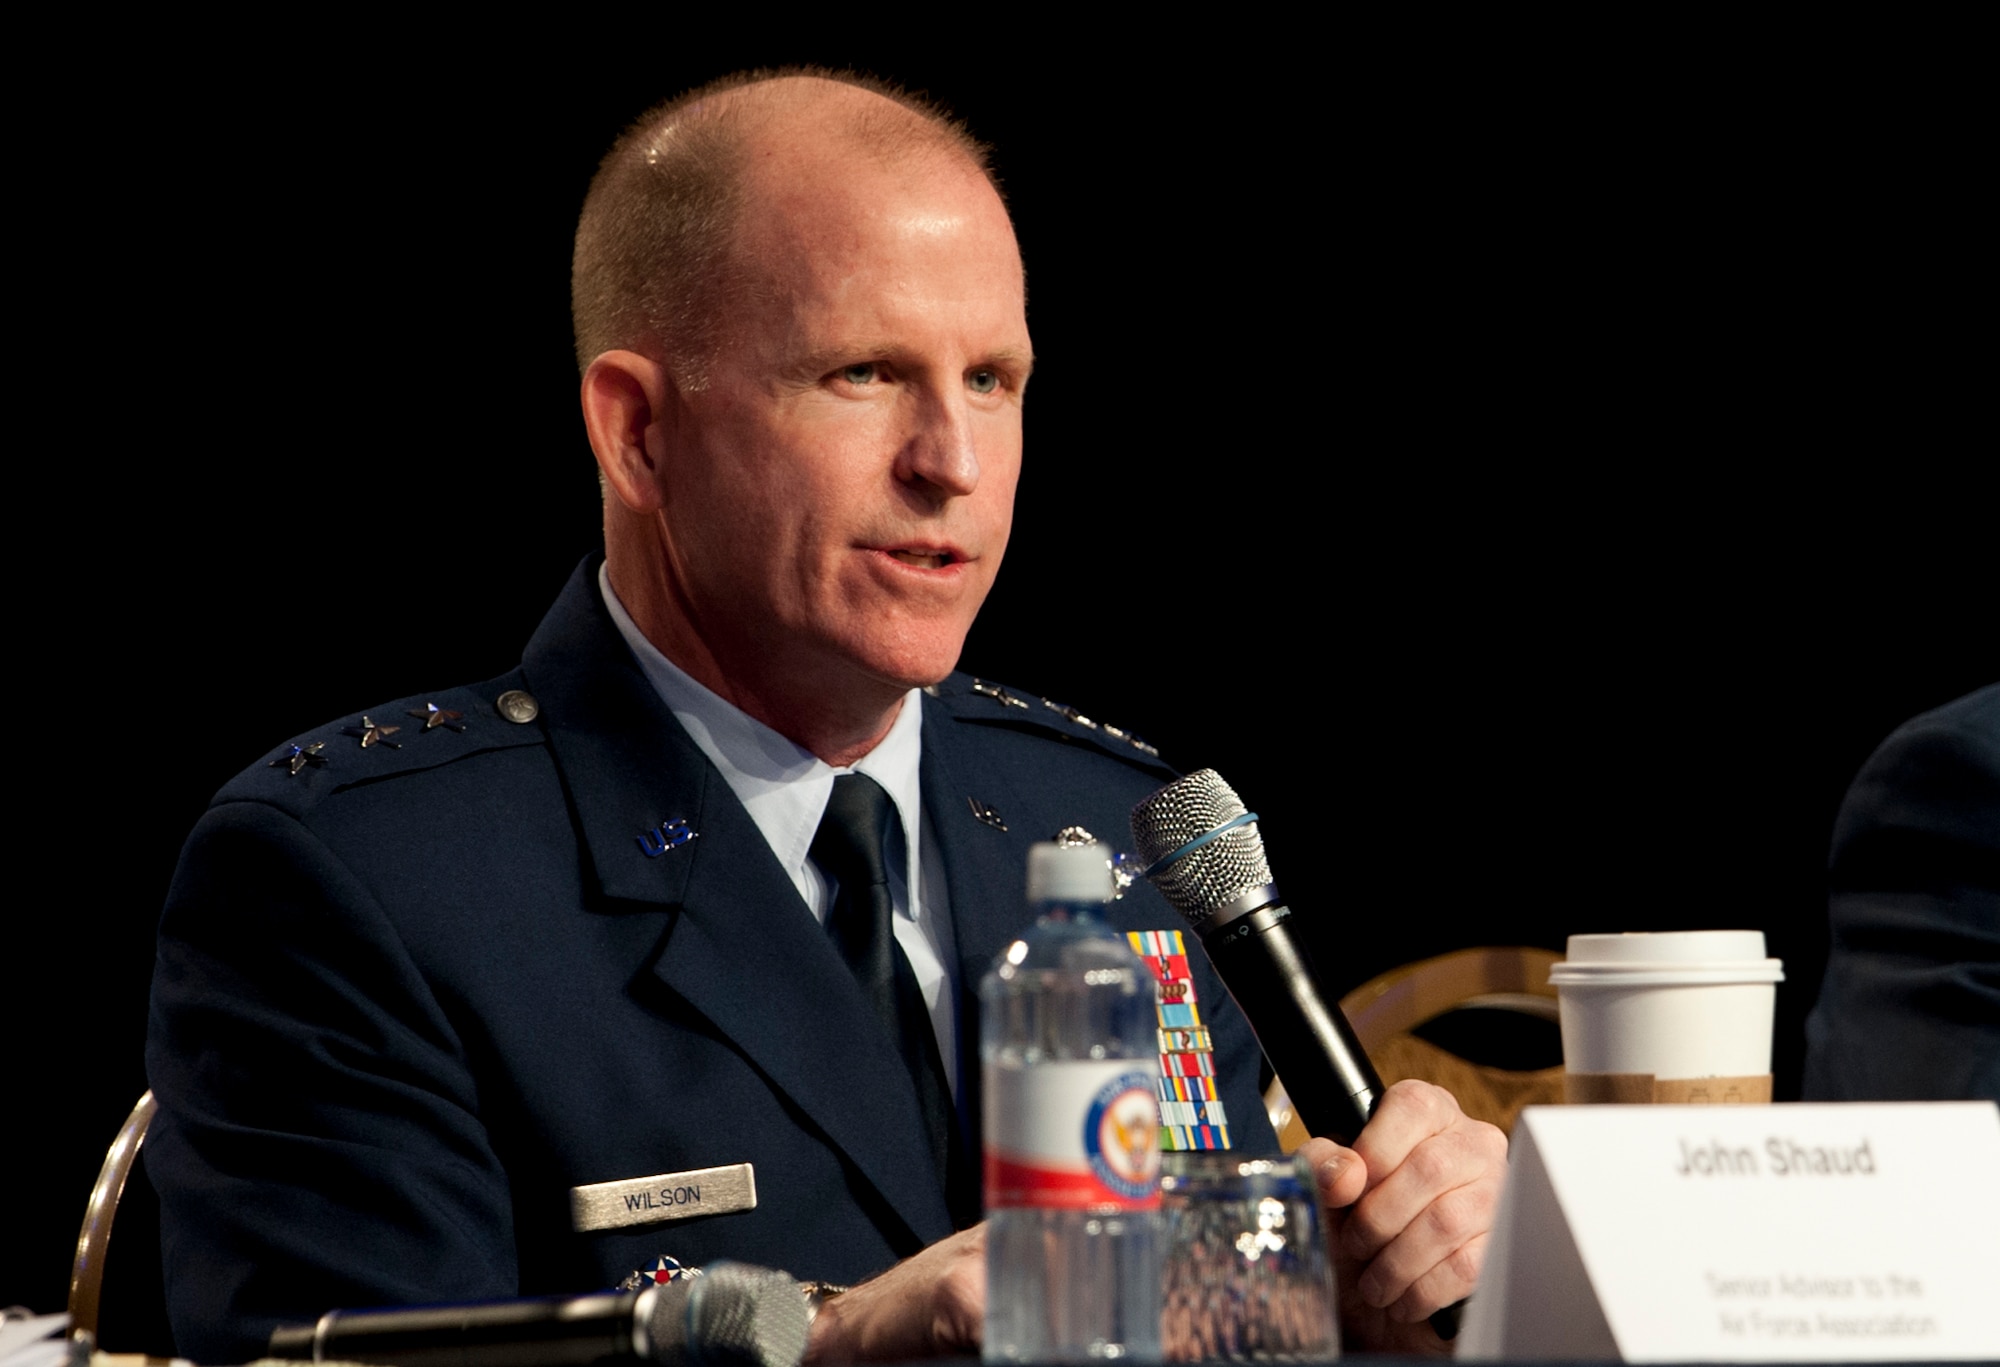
849 848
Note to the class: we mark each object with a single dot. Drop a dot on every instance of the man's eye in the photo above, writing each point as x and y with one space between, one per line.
983 381
866 372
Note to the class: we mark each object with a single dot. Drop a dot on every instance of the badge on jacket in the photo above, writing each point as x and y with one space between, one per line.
662 1197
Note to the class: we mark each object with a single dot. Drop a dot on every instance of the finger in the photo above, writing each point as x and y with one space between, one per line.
1464 1153
1338 1173
1410 1112
1434 1259
1445 1284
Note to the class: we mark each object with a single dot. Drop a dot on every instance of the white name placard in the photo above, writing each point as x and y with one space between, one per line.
1745 1233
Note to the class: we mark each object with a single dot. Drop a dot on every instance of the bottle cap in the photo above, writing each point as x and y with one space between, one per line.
1068 873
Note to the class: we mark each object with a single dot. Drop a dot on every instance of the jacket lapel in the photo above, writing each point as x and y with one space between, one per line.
748 955
986 872
985 867
744 951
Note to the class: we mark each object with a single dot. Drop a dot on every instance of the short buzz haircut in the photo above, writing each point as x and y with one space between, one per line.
651 271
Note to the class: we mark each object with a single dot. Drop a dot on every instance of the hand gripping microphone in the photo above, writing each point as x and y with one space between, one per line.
1202 851
735 1315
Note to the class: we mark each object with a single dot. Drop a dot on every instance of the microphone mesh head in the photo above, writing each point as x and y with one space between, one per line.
1217 873
734 1315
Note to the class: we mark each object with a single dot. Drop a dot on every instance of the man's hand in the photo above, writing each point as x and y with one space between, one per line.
1408 1208
929 1306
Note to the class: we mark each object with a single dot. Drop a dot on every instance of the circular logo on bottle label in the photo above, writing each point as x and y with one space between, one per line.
1121 1136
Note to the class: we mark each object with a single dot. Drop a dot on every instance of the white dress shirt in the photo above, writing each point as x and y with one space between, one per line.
785 789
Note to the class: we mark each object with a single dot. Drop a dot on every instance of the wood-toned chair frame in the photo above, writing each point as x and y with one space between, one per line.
86 1277
1508 978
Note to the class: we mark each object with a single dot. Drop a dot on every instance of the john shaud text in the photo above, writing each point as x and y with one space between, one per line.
1782 1157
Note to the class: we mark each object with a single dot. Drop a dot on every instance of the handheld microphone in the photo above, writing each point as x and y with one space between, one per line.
735 1315
1203 852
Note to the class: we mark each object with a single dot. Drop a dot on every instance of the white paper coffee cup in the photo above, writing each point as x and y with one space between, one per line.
1678 1004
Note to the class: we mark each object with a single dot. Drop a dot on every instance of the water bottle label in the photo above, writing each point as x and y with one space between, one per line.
1072 1135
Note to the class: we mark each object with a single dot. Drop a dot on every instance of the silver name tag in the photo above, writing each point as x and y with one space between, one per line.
668 1196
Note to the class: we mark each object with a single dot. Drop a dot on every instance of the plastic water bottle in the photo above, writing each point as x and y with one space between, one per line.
1070 1059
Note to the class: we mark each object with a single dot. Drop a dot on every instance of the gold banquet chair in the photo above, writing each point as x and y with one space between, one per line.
86 1277
1384 1010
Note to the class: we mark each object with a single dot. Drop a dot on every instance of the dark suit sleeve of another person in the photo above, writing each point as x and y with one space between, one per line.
407 999
1910 1007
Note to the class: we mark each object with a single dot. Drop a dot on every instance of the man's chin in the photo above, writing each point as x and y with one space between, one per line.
902 677
911 660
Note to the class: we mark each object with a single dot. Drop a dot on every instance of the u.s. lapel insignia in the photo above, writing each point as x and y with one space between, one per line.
989 815
297 757
668 835
373 733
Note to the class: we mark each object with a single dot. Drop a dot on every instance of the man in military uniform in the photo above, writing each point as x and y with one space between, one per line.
432 1000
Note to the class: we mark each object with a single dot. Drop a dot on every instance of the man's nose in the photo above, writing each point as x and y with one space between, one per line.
942 452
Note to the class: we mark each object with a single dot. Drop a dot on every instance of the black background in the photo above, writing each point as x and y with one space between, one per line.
1535 467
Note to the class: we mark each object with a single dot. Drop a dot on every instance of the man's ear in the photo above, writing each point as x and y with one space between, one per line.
631 407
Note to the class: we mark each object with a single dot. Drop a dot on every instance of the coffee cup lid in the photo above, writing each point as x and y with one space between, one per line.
1638 959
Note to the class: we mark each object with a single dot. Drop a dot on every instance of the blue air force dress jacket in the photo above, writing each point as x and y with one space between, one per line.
406 999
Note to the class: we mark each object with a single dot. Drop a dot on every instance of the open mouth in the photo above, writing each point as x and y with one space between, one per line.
929 560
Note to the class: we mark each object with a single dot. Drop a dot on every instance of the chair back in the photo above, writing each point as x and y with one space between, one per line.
1385 1009
86 1278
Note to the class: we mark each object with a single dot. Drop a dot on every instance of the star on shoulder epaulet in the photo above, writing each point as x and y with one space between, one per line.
298 758
997 693
372 732
1001 697
434 716
1063 709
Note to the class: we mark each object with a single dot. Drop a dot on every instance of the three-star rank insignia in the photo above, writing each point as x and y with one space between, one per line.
372 733
1069 714
298 757
434 716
